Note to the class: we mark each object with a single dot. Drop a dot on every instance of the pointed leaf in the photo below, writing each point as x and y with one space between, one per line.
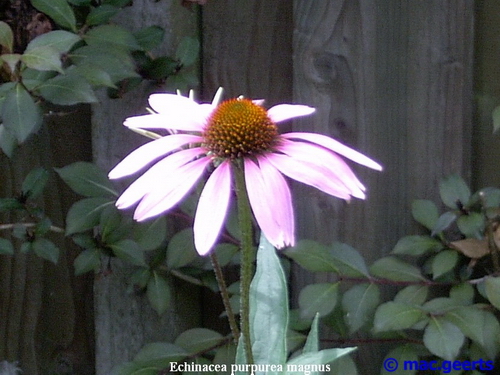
416 245
492 288
46 249
158 293
443 262
198 339
35 182
454 191
181 250
395 269
425 212
87 179
58 40
129 251
443 338
101 14
8 141
359 304
471 247
188 51
312 256
312 342
58 10
472 225
268 307
43 58
318 299
87 260
150 235
348 260
85 214
104 35
6 37
149 37
394 316
20 114
159 355
444 221
67 89
412 295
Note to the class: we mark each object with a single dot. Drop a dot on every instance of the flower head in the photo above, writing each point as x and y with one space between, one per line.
217 135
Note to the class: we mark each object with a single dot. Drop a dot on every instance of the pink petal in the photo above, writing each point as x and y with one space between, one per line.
212 208
281 199
263 203
167 195
185 122
160 172
330 163
149 152
308 174
282 112
337 147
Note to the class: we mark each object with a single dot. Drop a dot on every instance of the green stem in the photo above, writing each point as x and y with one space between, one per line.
245 222
219 276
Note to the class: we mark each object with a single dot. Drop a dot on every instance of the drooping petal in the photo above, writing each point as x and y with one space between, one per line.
308 174
282 112
151 151
156 175
335 146
262 201
281 199
212 208
167 194
333 165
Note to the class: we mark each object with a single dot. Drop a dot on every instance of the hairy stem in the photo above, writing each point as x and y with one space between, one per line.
245 222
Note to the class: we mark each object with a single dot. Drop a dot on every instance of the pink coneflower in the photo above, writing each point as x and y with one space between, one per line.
217 135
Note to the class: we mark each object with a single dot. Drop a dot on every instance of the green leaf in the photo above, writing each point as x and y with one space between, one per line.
87 179
453 191
394 316
151 234
159 355
20 114
479 325
117 3
268 307
444 222
312 342
149 37
94 75
181 250
8 141
359 304
416 245
58 40
402 354
35 182
496 119
7 204
114 35
161 68
6 247
492 289
395 269
129 251
43 58
463 293
318 298
46 249
412 295
441 305
6 37
11 59
443 262
59 11
158 293
297 364
425 212
188 51
443 338
472 225
348 260
344 365
114 61
101 14
85 214
67 89
87 260
312 256
198 339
